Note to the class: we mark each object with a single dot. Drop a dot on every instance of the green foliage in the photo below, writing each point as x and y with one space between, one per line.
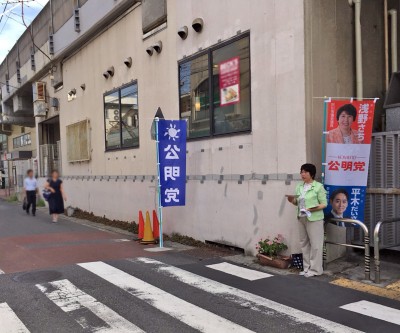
12 198
271 247
41 203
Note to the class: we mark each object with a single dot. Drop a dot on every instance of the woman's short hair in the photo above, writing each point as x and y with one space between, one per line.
29 171
53 171
310 168
349 109
339 191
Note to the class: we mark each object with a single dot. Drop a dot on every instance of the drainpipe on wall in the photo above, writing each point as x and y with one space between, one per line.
51 17
386 35
393 33
357 25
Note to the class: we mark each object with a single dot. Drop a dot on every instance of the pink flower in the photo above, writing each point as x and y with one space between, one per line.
269 242
279 241
280 236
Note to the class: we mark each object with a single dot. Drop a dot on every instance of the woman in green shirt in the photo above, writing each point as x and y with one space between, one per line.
310 200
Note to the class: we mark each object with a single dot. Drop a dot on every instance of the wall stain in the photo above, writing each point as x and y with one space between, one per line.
255 218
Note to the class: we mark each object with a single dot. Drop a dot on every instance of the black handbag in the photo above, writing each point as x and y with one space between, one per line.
24 204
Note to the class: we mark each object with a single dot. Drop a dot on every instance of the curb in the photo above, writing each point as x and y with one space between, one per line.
391 291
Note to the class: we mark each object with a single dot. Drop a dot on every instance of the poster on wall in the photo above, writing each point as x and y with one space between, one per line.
229 81
348 143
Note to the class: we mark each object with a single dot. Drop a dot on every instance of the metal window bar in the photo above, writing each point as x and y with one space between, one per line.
49 158
365 247
377 248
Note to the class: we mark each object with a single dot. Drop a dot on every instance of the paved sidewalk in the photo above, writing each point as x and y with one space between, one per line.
347 272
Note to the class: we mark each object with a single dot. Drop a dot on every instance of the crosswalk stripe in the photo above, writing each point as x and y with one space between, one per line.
244 273
10 323
190 314
374 310
244 298
69 298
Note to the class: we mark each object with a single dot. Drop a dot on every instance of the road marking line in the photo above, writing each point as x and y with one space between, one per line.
69 298
244 273
2 272
374 310
244 298
190 314
121 240
10 323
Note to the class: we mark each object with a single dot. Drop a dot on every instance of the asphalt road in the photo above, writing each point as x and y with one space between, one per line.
72 278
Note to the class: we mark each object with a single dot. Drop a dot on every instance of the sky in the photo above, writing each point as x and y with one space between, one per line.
11 26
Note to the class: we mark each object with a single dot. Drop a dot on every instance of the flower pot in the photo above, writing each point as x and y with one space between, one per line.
282 262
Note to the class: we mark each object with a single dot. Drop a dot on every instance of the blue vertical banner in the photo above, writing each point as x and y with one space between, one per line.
172 159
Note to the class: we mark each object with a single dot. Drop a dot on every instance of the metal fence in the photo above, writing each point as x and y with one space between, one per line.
50 158
383 193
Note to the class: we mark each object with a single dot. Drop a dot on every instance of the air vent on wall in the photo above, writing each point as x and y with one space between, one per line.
51 44
18 72
77 20
33 65
8 83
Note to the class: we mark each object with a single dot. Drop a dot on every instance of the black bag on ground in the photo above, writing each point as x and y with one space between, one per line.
25 203
297 260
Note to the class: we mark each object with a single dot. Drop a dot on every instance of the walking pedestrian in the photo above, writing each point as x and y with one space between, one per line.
31 189
310 200
57 197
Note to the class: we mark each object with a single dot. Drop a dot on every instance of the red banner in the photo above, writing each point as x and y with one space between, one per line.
353 125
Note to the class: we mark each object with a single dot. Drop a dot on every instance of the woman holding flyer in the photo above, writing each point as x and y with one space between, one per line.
310 200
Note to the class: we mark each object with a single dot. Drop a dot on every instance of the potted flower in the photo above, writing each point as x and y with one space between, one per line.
268 252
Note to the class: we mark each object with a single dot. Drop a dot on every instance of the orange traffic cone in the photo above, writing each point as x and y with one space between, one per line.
141 226
156 226
148 233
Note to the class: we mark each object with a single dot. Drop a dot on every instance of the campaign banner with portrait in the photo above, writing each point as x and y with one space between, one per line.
172 159
229 81
348 144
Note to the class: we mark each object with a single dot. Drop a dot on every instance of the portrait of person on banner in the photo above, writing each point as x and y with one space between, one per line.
338 203
345 132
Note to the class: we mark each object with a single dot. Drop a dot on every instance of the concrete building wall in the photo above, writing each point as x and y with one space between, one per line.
330 59
229 212
300 51
17 131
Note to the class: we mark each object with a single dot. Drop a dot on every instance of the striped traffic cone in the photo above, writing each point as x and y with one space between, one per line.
148 233
141 226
